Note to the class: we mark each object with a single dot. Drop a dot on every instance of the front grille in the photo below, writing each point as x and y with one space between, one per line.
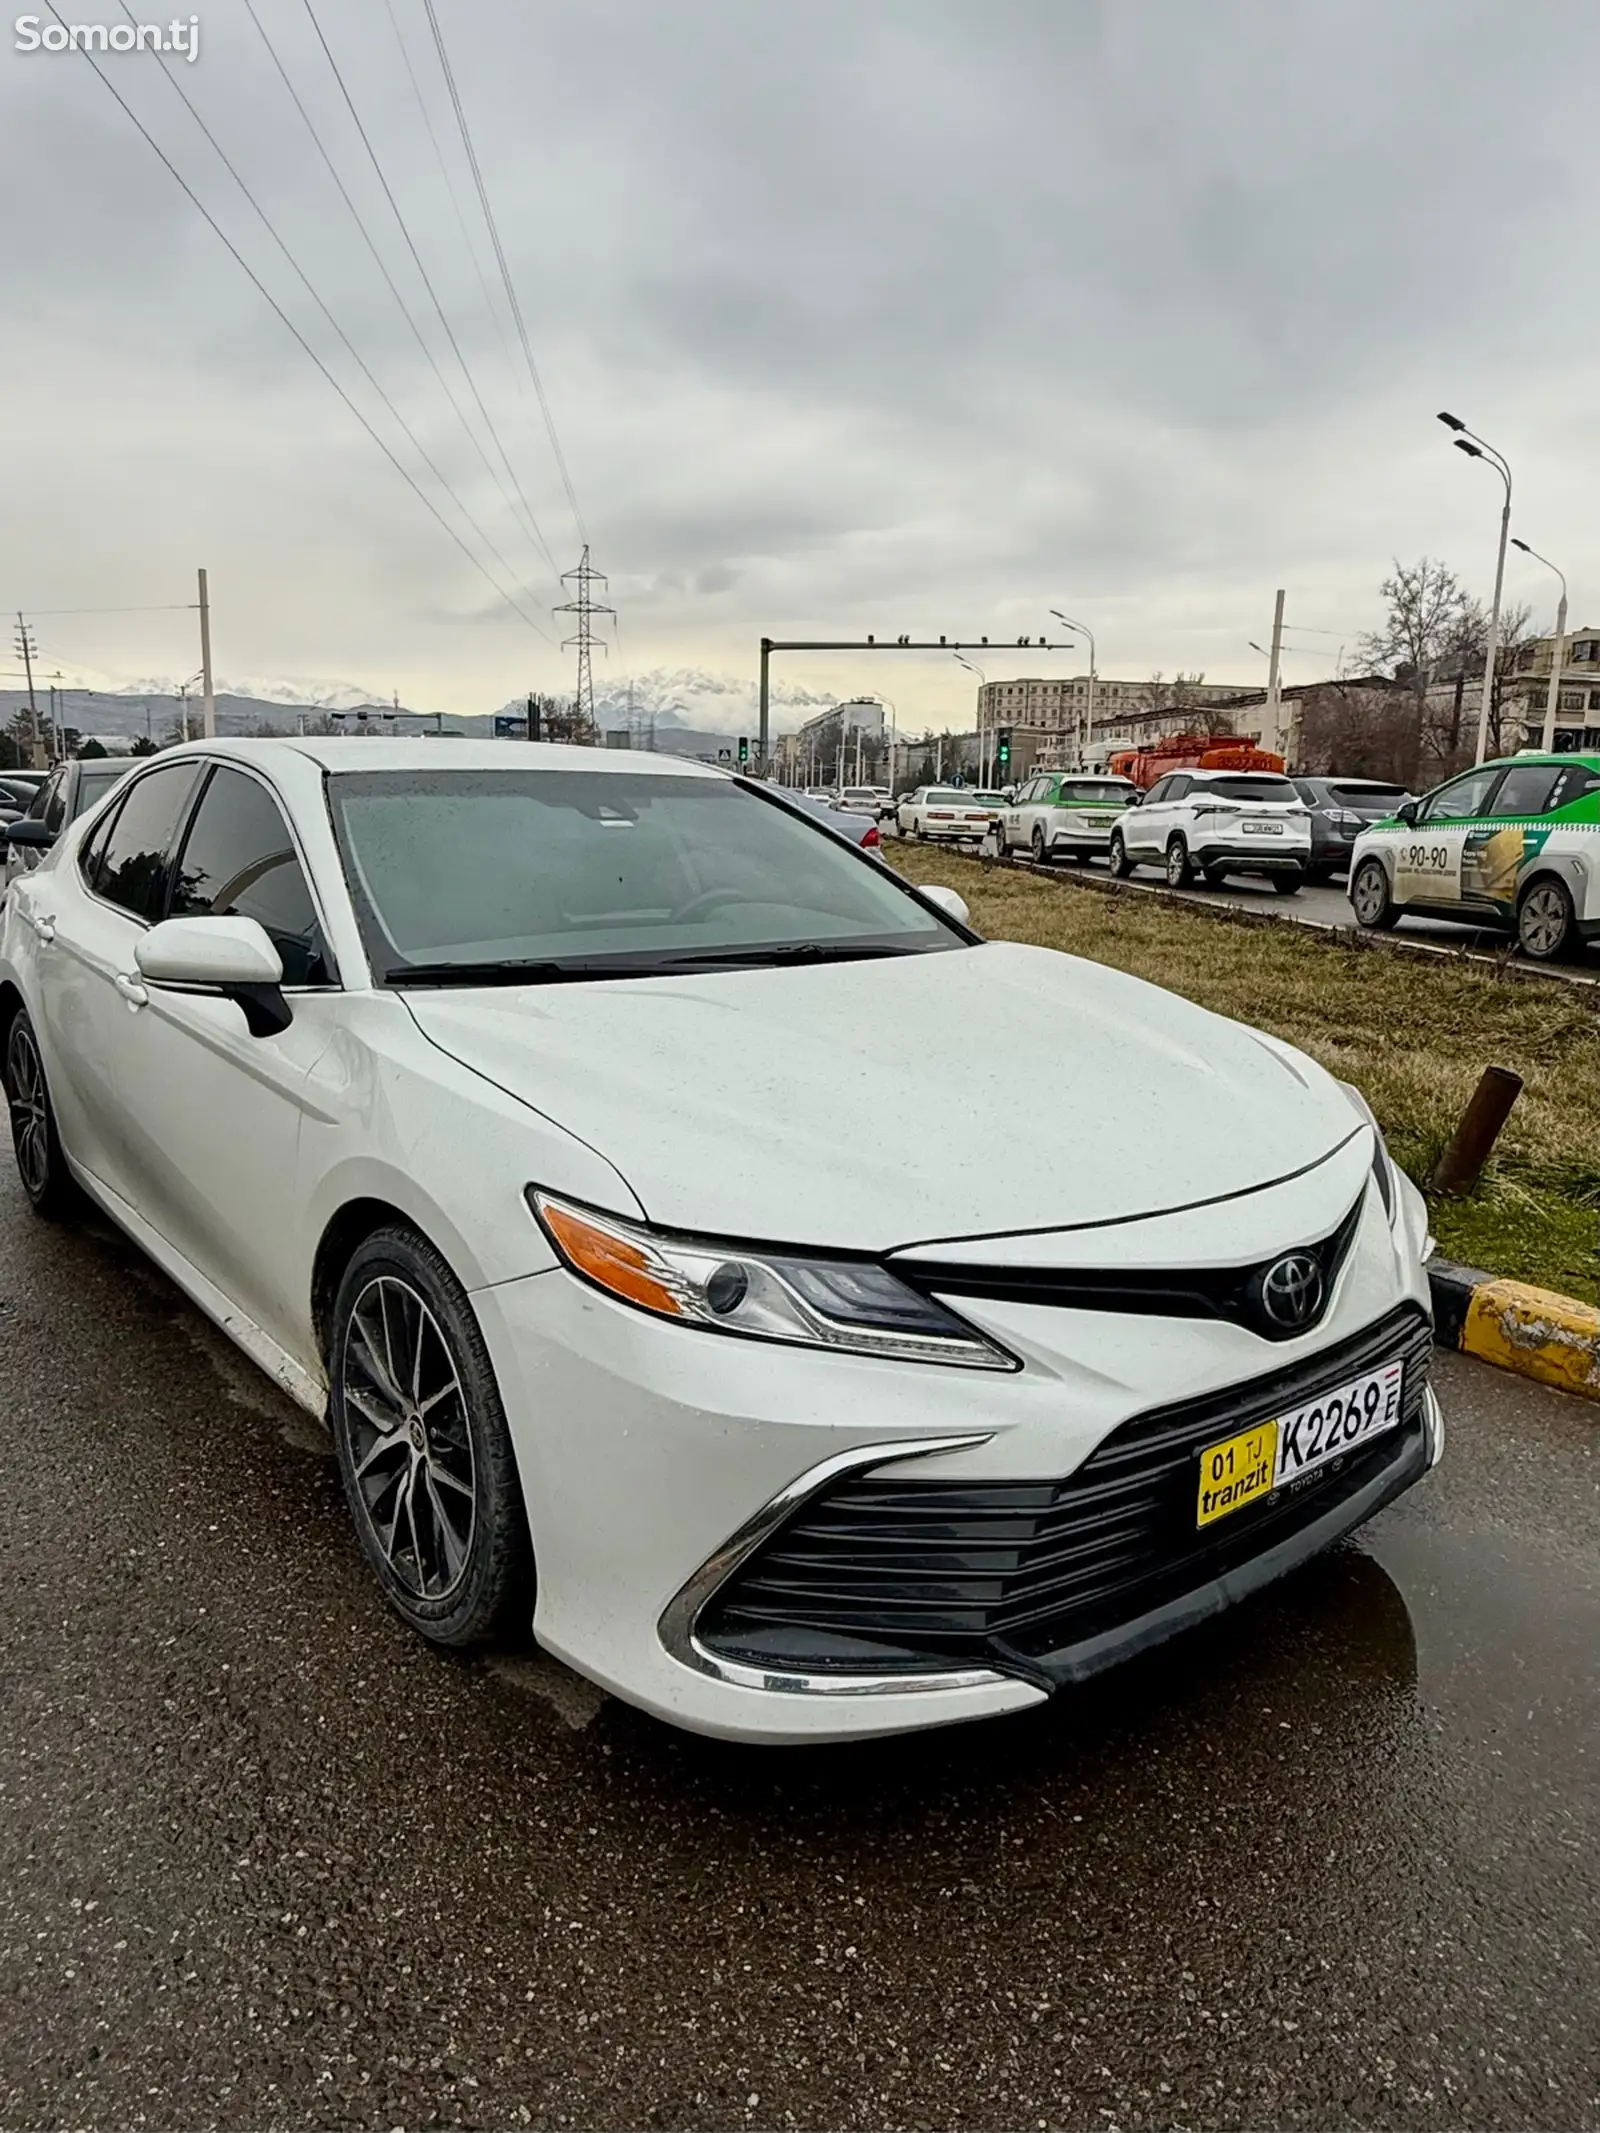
907 1573
1232 1293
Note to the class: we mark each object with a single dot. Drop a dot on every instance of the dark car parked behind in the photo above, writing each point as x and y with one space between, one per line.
1341 808
70 791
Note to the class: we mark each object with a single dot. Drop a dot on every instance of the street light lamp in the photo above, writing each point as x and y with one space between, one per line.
1548 739
1086 725
984 728
1477 447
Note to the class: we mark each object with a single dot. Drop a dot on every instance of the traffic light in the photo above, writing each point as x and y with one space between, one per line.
744 750
1002 746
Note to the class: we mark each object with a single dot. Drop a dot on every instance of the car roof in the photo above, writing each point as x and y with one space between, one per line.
1588 757
384 752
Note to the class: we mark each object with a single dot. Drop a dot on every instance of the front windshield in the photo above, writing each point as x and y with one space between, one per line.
453 871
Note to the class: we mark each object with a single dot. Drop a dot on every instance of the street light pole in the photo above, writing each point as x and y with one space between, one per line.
1476 447
1086 727
983 724
1559 659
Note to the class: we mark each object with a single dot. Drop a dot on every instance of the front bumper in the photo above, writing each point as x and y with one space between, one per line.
655 1460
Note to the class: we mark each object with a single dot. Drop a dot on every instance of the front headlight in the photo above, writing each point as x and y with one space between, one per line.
850 1304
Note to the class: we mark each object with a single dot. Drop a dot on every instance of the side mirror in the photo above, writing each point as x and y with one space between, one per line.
232 956
1407 811
31 833
949 902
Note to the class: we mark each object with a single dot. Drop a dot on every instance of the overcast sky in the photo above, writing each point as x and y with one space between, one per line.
854 315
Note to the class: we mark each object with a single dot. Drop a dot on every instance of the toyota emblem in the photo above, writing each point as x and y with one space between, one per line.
1291 1291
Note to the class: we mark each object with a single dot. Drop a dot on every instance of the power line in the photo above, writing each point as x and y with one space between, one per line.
505 271
265 292
172 607
355 353
389 281
449 186
532 524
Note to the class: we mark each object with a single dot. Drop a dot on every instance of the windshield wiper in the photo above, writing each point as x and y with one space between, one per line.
755 952
566 970
511 972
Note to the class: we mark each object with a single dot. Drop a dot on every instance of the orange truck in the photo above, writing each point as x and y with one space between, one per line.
1189 751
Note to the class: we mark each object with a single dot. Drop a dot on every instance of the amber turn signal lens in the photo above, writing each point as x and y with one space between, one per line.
608 1261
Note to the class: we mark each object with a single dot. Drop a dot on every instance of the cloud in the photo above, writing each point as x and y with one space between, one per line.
918 317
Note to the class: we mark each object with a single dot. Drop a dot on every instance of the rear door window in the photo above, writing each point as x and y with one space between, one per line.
1527 788
1577 782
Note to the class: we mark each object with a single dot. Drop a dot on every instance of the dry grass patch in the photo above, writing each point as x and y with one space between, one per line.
1413 1037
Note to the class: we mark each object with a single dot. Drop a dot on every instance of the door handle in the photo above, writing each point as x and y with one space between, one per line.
45 928
131 990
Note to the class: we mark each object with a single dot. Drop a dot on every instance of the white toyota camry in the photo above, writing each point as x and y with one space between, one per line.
556 1123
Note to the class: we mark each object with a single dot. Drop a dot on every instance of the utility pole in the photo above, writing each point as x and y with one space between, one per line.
208 699
585 606
1274 695
29 651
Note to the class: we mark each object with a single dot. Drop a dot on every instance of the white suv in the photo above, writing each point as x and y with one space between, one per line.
1217 822
1064 815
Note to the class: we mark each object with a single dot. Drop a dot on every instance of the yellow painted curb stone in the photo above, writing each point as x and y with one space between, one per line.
1536 1333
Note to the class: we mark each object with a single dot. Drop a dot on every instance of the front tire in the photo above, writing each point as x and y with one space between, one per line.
1180 869
1374 907
1547 924
40 1163
424 1451
1117 857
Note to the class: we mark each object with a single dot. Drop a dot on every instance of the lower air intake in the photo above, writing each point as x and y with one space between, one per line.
907 1574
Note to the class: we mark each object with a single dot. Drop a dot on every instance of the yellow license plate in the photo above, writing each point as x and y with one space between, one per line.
1237 1471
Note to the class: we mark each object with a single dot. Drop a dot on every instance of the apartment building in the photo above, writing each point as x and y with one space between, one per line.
1578 700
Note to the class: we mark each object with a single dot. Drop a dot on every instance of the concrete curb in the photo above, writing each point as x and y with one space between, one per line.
1532 1331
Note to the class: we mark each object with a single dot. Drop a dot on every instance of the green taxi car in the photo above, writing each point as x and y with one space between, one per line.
1513 844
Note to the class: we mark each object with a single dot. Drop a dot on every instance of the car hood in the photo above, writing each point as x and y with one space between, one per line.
869 1105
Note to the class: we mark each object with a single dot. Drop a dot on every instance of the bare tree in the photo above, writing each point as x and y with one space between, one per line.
1357 729
1464 665
1419 635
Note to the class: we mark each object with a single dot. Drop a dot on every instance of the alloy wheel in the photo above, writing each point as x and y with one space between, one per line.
1544 920
25 1091
411 1456
1369 894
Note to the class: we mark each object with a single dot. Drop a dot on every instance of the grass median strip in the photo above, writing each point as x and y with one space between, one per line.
1413 1037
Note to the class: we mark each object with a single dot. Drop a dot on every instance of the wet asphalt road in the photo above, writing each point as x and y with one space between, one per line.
265 1860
